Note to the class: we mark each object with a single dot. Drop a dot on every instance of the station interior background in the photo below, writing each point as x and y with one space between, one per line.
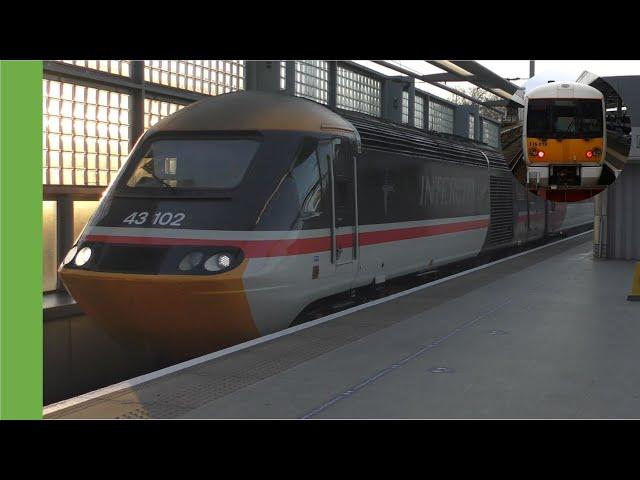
95 110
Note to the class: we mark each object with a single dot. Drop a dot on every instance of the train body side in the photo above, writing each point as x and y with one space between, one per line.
414 214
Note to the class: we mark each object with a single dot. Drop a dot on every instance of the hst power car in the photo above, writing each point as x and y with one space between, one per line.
233 214
564 135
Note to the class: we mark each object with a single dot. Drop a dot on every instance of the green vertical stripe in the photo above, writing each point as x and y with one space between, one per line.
20 239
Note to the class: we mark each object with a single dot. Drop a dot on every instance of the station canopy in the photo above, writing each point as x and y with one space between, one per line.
613 98
465 71
474 73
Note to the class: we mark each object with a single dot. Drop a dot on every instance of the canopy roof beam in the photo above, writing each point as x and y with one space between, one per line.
425 78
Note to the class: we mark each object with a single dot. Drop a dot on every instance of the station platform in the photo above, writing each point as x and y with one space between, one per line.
545 334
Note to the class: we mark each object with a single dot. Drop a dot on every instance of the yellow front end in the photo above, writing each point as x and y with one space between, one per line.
565 152
178 316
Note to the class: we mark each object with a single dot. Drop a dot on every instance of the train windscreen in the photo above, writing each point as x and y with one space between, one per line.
193 164
564 118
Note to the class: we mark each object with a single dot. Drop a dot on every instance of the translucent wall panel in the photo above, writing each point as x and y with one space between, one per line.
490 133
116 67
472 127
312 77
210 77
82 211
86 133
419 112
440 117
49 246
156 110
357 92
283 75
405 107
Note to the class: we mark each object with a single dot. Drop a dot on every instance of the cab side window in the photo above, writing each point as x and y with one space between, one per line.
344 185
313 205
306 175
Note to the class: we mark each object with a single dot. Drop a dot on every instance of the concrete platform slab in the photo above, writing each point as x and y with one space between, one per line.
545 335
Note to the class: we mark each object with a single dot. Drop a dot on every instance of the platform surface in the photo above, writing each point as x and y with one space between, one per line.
546 335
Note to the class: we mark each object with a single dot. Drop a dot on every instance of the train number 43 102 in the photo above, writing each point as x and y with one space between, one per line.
158 218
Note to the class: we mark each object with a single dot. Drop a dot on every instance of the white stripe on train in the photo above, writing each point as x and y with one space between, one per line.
195 234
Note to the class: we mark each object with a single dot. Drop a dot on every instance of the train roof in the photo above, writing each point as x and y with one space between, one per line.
252 110
379 134
564 90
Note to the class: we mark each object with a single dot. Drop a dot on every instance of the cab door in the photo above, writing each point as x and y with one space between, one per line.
344 204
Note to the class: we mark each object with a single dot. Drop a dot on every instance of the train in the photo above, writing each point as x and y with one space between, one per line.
235 213
564 135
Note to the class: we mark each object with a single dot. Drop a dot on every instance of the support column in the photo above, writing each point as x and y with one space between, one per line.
392 99
263 76
620 235
427 101
137 103
412 103
461 120
291 77
332 84
64 215
599 226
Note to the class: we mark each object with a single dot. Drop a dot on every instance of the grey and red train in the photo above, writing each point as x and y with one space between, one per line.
235 213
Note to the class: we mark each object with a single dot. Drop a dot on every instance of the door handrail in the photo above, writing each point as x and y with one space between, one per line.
356 243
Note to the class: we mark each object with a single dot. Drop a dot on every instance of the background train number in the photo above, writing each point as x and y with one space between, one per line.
158 218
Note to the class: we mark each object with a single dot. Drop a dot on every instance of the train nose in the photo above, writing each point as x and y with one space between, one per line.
178 316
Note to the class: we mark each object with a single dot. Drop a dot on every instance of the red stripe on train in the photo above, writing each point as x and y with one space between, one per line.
384 236
285 247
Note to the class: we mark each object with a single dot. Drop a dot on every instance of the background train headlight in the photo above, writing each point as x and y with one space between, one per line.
83 256
190 261
219 261
70 255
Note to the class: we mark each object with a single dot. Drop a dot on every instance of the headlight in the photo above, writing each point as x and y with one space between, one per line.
190 261
219 261
70 255
83 256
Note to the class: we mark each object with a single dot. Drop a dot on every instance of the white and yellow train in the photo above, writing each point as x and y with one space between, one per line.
564 135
